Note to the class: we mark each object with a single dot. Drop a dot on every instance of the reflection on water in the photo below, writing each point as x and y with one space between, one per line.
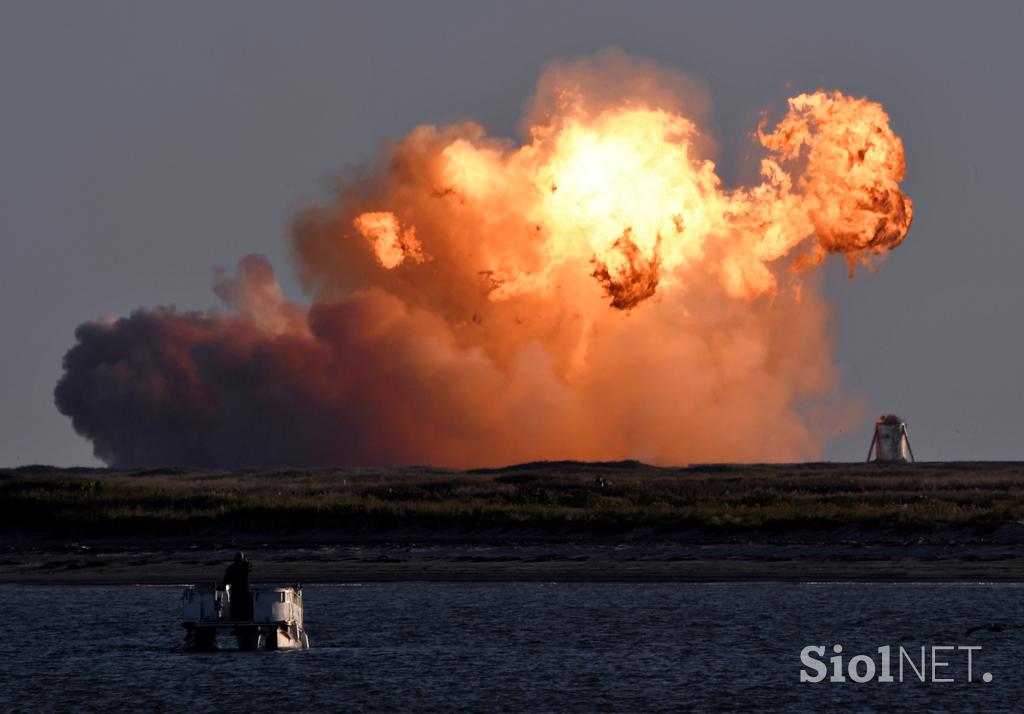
512 647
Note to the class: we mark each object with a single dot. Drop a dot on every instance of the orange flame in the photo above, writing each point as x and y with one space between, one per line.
623 190
390 242
593 292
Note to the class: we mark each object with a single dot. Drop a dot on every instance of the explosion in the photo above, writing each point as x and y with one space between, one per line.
593 293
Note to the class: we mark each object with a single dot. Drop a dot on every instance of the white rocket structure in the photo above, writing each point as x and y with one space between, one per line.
891 443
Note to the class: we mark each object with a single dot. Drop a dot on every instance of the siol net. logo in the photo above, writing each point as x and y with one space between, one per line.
935 663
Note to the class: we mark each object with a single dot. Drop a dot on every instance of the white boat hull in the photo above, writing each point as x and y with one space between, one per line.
277 619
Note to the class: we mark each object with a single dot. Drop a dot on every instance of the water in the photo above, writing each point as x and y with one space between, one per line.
512 647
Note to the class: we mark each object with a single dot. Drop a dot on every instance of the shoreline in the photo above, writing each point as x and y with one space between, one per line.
576 561
891 573
540 522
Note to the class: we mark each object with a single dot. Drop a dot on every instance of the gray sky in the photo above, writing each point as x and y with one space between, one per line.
141 144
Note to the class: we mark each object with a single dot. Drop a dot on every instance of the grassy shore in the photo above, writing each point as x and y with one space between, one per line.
549 497
533 522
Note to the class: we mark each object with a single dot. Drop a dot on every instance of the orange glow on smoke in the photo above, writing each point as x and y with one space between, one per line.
604 255
591 292
623 192
391 243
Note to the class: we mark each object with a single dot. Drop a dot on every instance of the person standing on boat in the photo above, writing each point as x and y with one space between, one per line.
237 577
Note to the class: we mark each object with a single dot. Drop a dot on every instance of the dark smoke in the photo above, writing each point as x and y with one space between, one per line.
635 280
467 308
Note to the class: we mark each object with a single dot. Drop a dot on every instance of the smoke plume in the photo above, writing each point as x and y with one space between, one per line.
592 292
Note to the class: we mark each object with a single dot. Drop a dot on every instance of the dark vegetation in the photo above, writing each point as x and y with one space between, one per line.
549 497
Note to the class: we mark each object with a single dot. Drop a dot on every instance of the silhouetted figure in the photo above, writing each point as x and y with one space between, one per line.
237 576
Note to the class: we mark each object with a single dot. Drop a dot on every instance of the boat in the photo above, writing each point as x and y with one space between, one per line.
276 624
